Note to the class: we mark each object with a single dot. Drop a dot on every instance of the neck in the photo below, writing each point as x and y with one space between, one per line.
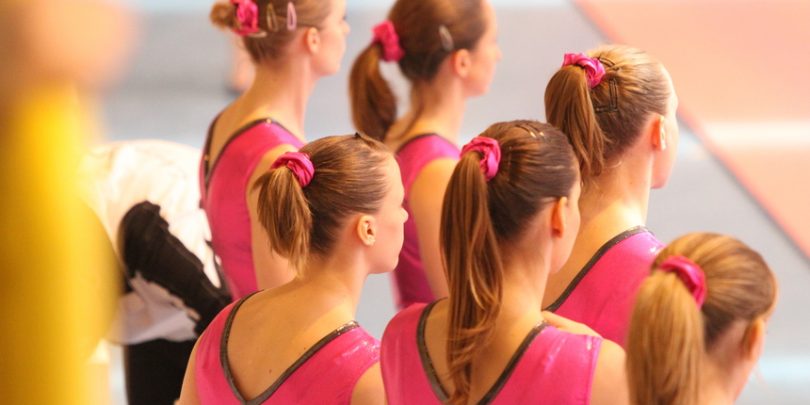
610 204
442 111
524 283
280 91
616 200
716 388
337 279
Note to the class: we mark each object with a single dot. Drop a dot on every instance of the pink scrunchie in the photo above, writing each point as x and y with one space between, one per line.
247 15
690 274
386 35
594 69
299 164
490 152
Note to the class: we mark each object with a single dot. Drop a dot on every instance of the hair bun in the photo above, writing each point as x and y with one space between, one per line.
223 15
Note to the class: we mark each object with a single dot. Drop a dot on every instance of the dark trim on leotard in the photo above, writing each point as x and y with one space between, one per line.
208 167
430 370
420 136
510 367
592 262
427 364
266 394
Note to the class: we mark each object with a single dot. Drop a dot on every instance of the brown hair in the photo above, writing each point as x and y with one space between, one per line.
310 13
349 178
604 121
418 24
479 217
669 335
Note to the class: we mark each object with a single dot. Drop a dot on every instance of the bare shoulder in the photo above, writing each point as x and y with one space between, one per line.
610 379
369 389
430 184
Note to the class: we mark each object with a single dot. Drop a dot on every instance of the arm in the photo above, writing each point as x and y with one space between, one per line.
610 386
271 269
188 394
426 197
369 388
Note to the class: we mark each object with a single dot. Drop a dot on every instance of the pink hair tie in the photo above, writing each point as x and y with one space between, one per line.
386 35
594 69
490 152
299 164
690 274
247 17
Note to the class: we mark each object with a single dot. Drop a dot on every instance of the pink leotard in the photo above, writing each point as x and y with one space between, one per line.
326 373
409 276
223 191
549 367
602 295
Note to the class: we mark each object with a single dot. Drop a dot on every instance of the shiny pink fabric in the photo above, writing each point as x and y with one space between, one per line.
556 368
224 199
409 276
329 376
604 297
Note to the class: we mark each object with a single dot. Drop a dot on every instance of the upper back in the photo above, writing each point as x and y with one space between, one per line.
550 366
603 293
235 160
224 188
418 152
336 361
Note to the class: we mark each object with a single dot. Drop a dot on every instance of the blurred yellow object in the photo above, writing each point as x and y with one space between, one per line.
56 273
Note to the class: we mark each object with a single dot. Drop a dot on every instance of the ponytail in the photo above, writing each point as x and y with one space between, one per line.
604 102
569 107
374 106
666 343
671 333
474 270
504 178
285 214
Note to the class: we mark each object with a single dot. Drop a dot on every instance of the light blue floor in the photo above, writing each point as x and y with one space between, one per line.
177 83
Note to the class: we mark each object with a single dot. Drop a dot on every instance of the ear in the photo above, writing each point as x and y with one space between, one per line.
658 133
461 62
312 38
754 339
558 219
367 230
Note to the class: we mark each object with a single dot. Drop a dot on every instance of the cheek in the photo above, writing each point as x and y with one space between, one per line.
335 42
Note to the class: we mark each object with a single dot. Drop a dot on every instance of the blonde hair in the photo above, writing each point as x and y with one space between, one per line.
669 335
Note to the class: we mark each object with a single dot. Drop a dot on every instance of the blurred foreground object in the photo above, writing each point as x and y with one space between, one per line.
55 280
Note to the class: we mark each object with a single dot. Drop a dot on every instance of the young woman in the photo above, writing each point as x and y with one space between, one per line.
617 107
516 184
698 326
293 44
335 211
447 51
